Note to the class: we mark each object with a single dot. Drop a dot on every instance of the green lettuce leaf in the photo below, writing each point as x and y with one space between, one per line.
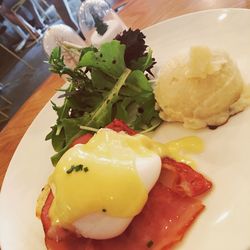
109 59
107 83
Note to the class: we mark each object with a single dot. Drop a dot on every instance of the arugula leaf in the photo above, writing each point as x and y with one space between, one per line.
58 141
97 116
139 80
109 59
71 128
111 85
101 81
56 157
100 117
57 134
57 64
121 108
87 49
143 63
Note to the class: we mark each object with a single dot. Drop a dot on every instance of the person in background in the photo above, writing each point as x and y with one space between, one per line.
61 6
35 19
8 37
17 19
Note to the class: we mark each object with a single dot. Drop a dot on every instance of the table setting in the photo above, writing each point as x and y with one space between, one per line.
215 32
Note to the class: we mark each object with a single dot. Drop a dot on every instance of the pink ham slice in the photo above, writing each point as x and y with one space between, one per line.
182 179
171 208
163 222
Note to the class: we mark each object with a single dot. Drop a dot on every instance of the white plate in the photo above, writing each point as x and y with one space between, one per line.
225 224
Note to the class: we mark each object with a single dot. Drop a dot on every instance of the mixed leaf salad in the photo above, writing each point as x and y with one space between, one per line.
107 83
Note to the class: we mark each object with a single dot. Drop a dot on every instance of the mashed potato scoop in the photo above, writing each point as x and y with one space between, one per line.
203 88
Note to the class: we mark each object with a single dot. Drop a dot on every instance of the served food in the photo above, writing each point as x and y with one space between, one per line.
165 202
203 88
117 188
107 83
120 190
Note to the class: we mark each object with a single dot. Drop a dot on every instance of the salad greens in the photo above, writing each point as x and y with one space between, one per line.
107 83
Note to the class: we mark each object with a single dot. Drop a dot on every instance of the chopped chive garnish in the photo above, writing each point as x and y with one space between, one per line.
86 169
75 168
150 243
78 168
70 170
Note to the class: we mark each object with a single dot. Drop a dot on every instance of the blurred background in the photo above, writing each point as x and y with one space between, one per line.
22 58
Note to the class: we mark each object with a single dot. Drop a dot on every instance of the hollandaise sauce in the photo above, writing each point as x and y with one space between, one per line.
176 149
101 176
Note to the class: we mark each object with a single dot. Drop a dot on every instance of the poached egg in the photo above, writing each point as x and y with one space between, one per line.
100 186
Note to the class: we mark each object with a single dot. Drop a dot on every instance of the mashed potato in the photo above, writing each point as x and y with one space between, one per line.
202 89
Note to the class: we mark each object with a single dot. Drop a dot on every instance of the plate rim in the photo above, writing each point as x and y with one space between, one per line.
47 105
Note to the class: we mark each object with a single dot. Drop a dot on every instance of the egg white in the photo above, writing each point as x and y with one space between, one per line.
102 226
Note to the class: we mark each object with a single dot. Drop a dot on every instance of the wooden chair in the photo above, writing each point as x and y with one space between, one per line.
15 8
6 105
44 9
21 33
16 56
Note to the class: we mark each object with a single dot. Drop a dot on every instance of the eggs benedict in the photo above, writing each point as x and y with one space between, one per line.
98 188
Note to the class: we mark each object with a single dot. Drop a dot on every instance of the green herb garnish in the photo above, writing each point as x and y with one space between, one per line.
107 83
75 168
86 169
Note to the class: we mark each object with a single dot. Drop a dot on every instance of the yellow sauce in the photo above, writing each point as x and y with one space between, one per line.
108 181
176 149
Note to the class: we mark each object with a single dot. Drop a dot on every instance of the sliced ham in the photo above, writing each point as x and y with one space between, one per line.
82 139
118 126
182 179
171 208
163 221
